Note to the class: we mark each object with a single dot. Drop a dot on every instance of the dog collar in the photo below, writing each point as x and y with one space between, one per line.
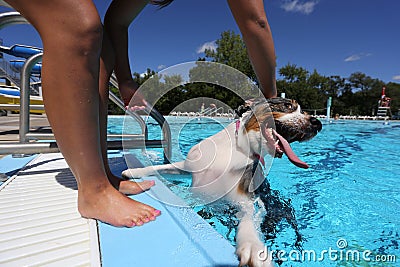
237 127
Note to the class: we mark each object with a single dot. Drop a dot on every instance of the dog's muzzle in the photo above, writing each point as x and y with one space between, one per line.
299 127
300 130
282 146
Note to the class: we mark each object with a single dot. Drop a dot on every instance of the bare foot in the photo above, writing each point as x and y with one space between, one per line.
128 187
106 204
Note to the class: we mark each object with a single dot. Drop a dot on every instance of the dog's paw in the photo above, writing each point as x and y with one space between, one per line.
254 255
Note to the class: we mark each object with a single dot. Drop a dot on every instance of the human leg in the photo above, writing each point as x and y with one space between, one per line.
107 63
71 33
252 21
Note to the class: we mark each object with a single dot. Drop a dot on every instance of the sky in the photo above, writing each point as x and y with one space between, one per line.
333 37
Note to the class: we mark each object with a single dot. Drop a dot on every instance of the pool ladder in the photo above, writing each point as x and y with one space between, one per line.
27 144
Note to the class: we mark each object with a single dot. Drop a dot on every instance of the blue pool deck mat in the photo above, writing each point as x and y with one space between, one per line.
9 165
178 237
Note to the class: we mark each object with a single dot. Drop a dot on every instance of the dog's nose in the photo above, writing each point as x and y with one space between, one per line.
316 124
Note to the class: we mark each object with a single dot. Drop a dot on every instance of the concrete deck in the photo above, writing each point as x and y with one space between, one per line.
9 126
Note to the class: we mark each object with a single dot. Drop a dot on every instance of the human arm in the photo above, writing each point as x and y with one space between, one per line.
119 16
252 21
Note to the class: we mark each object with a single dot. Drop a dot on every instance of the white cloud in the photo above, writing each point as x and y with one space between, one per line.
396 77
208 45
352 58
160 67
357 57
295 6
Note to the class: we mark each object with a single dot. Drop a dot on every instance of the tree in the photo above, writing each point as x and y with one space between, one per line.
367 92
232 51
113 109
357 94
393 91
309 89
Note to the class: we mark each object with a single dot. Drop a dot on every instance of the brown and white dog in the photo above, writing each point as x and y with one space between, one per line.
230 164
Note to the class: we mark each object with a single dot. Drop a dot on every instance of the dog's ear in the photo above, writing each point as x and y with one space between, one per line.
248 105
260 114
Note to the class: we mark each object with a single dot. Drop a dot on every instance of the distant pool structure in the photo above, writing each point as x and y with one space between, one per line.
347 203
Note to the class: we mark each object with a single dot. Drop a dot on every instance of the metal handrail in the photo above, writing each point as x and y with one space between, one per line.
166 130
11 18
25 96
17 107
24 146
120 104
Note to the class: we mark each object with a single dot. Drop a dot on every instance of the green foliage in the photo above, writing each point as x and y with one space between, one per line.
113 108
393 91
231 51
357 94
309 89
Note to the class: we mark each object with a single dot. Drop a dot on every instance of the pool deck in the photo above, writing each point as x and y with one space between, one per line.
9 129
9 126
39 221
40 225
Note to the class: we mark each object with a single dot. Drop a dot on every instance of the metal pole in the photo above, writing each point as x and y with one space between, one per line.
119 103
28 148
166 131
24 96
328 108
11 18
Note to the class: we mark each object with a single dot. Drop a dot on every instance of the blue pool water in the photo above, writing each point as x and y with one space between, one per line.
346 205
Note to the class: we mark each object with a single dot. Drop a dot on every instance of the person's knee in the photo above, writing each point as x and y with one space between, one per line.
88 35
79 35
67 26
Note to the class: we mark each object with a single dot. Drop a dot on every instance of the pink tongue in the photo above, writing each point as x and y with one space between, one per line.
289 152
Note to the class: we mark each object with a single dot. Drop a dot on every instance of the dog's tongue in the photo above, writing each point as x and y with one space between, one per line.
284 145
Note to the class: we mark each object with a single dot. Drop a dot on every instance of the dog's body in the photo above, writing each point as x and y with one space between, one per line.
229 163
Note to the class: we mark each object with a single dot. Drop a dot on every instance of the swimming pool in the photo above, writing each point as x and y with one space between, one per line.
346 205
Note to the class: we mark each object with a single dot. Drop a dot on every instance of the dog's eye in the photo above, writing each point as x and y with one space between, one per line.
289 106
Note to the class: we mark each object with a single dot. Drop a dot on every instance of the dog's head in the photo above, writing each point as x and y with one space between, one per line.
278 122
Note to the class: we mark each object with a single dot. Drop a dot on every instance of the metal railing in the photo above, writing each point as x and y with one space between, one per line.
166 141
13 76
27 144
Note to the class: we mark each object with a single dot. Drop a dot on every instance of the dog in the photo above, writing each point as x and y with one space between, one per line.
230 164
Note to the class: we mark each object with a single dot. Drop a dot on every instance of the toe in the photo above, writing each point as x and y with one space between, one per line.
157 213
145 185
138 222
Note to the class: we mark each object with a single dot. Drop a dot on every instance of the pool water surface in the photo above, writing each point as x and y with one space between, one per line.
346 206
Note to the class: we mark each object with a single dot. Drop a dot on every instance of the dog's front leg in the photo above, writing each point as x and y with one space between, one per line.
250 250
